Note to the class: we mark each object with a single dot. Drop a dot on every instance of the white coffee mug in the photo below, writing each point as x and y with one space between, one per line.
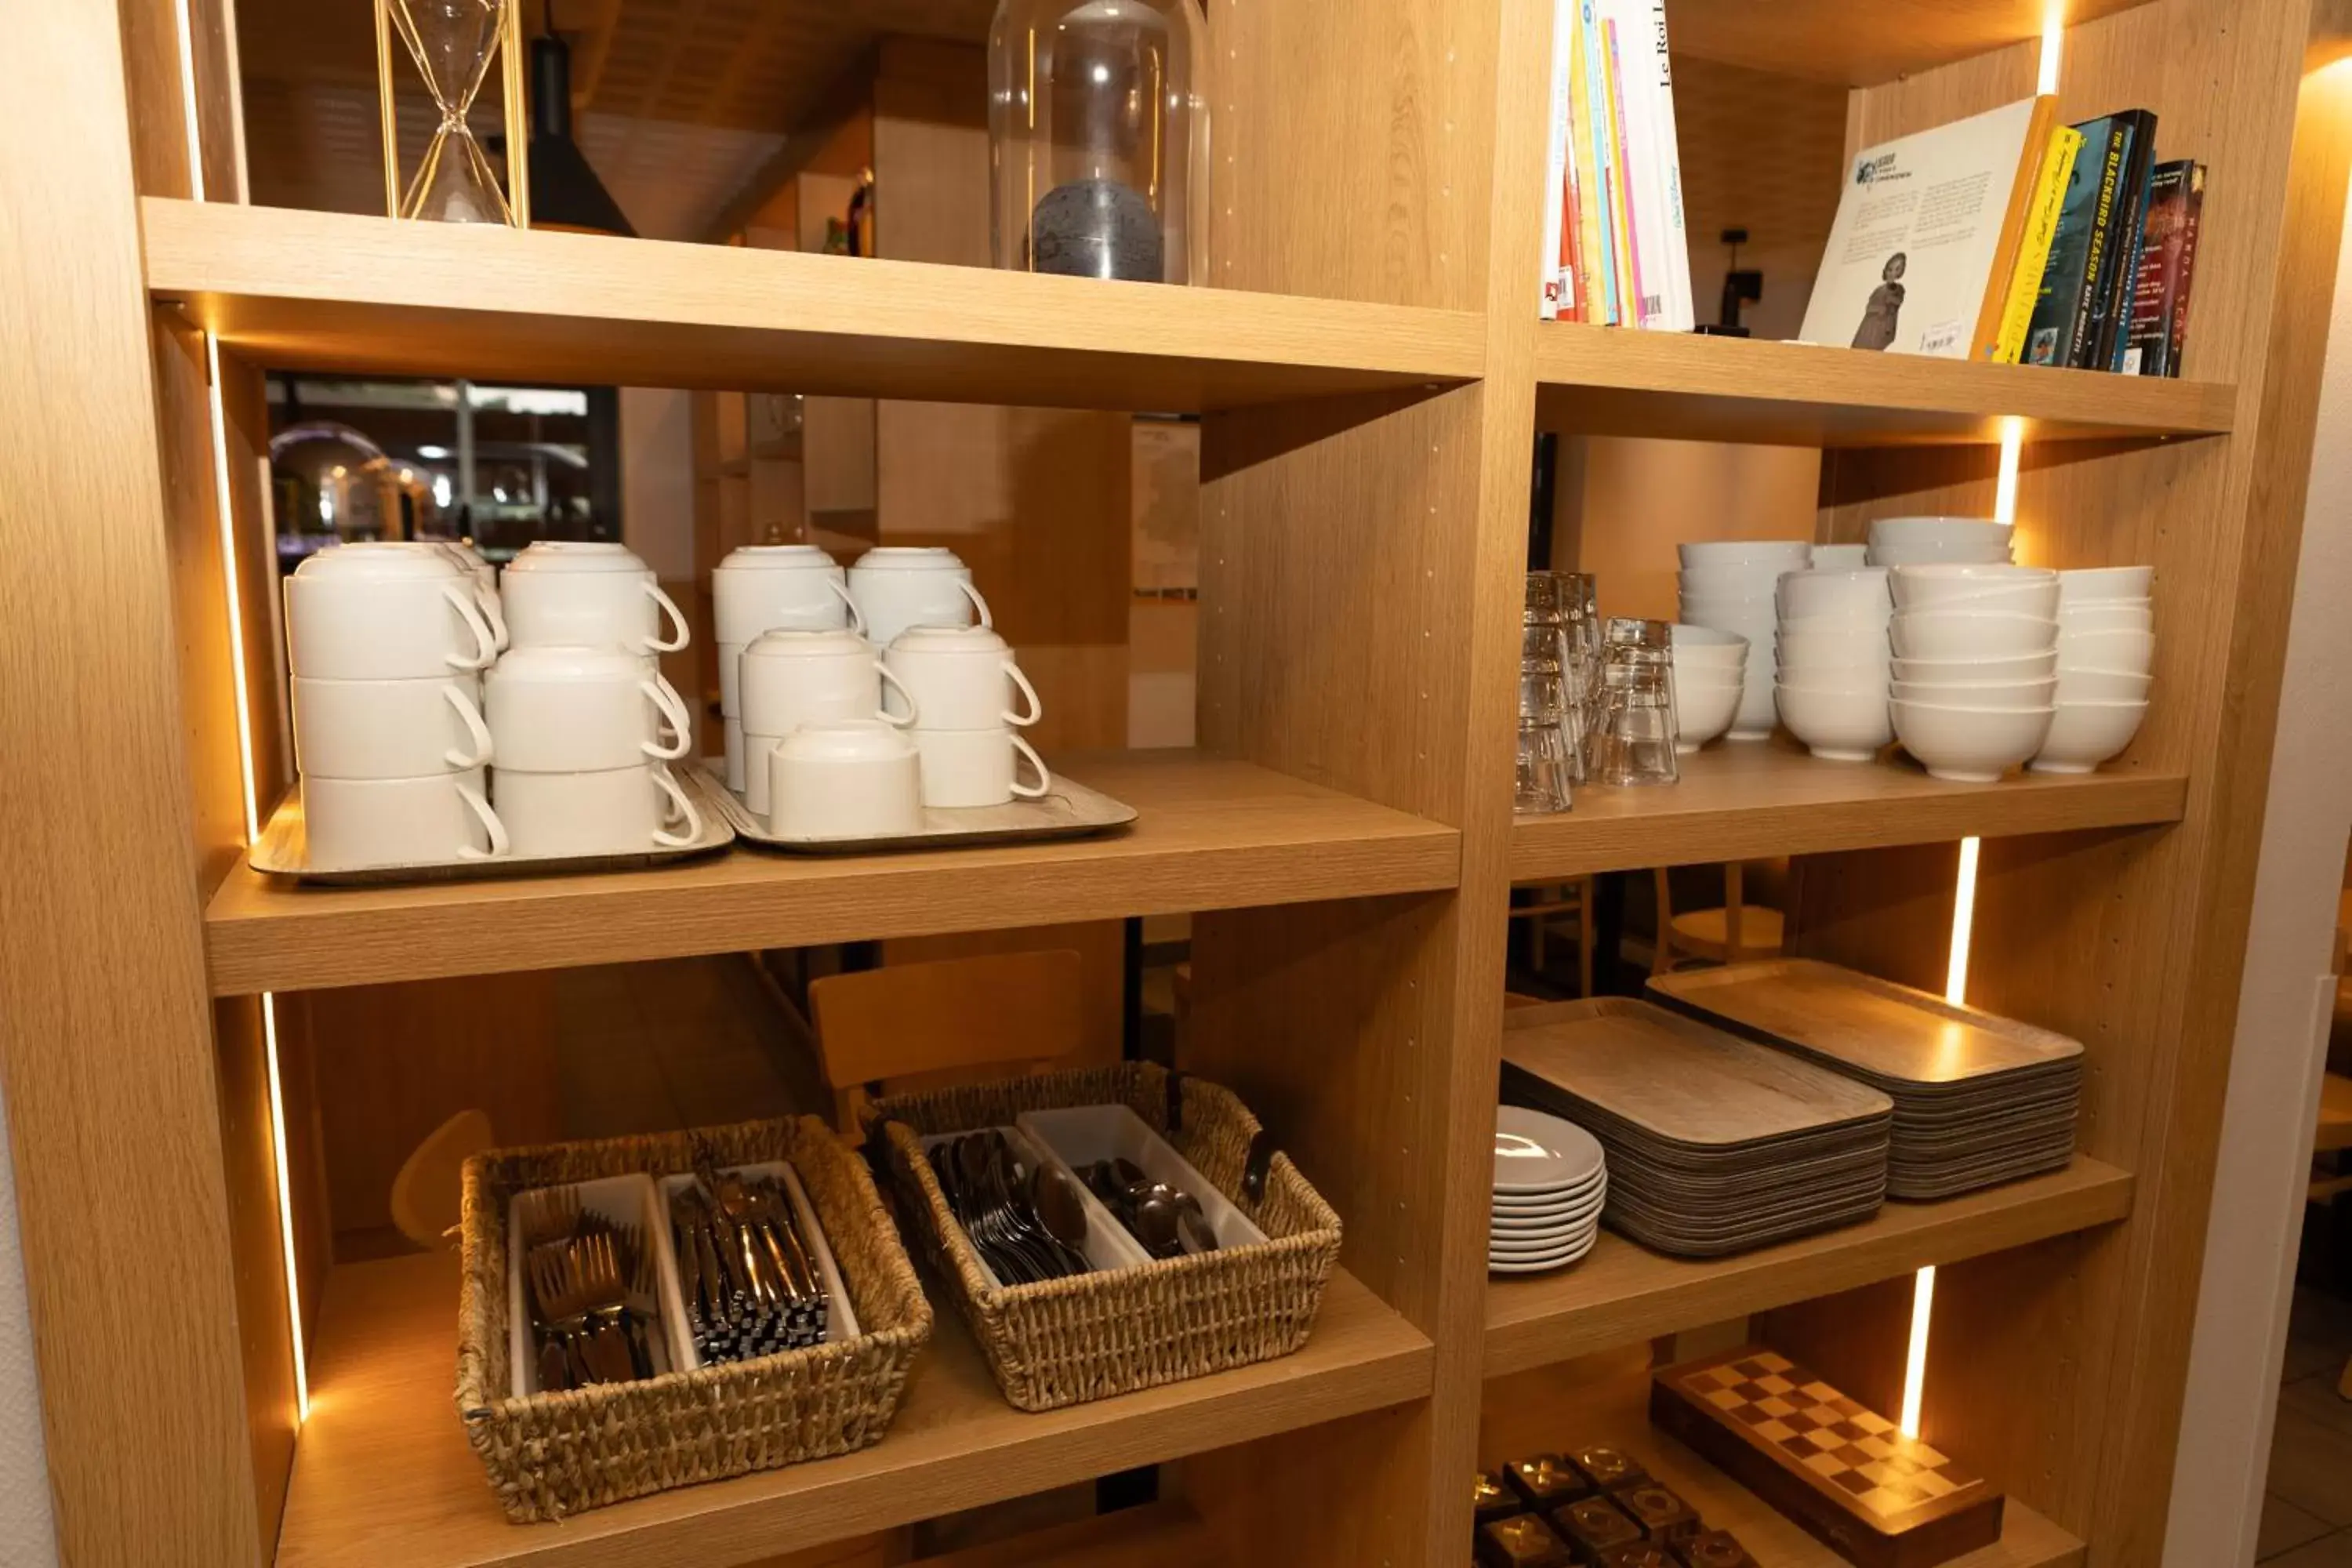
353 824
486 584
389 729
732 730
791 679
581 710
730 680
977 767
958 678
357 614
576 594
609 810
764 587
897 586
856 778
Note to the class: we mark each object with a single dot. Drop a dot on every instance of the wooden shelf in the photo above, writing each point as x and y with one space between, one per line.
331 291
1614 382
1622 1292
382 1472
1741 799
1858 46
1610 1403
1209 834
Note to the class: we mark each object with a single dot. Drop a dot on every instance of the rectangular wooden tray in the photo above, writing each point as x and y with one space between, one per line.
283 850
1070 811
1888 1034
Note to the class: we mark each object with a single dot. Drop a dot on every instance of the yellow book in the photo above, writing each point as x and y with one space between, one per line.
2033 252
1591 193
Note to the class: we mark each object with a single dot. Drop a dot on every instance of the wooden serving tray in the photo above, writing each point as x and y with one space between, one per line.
1679 1081
1070 811
284 850
1891 1034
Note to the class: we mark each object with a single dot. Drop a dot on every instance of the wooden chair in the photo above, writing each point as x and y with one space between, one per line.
427 1190
921 1025
1738 932
1564 910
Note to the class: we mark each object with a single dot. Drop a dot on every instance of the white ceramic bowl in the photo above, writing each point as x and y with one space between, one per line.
1727 584
1940 538
2102 686
1893 558
1696 645
1781 554
1741 617
1857 594
1840 557
2103 585
1832 677
2009 694
2085 735
1970 745
1969 634
2133 653
2112 617
1704 711
1867 647
1975 671
1842 726
1973 585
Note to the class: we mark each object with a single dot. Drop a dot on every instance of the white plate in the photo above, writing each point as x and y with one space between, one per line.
1539 1266
1552 1197
1541 1155
1501 1235
1551 1214
1546 1246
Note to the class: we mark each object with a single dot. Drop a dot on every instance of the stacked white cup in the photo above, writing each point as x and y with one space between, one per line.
763 588
897 586
2107 650
1974 649
968 700
1831 681
1728 585
791 680
583 724
385 644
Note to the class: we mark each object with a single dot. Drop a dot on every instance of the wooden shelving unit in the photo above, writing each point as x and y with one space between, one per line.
1209 832
1738 801
1622 1292
384 1471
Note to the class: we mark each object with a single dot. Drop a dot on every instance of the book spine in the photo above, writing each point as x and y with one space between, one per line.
2115 318
2094 259
1629 23
1628 262
1680 314
2051 336
2147 337
2177 318
2033 255
1592 113
2016 215
1555 287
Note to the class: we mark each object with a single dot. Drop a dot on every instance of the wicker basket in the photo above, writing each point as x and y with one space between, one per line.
1092 1336
548 1454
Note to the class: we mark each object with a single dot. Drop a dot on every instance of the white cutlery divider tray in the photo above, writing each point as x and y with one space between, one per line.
1108 1246
624 1200
1082 1135
841 1317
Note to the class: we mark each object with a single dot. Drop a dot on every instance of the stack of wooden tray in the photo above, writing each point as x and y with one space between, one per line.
1714 1144
1978 1099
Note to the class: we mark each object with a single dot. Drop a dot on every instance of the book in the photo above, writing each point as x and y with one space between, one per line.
2062 316
1927 236
1614 247
2111 312
2168 263
1600 257
1625 259
1592 196
2034 254
1676 312
1560 294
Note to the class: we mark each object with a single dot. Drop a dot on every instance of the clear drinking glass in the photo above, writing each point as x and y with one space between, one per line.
1636 728
1543 782
1552 607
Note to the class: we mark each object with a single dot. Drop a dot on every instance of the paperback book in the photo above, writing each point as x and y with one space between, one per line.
2167 265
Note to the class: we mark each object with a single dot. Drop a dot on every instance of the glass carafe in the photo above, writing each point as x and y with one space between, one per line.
1098 137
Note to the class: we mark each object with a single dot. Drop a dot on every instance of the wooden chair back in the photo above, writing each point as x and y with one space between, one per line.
919 1025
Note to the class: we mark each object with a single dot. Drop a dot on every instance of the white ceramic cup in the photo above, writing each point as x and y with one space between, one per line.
730 680
577 594
353 824
959 677
486 583
897 586
767 587
607 811
855 778
390 729
581 710
355 613
791 679
977 767
731 732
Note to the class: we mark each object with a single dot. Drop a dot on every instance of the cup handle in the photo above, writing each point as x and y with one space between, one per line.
890 678
672 708
977 602
486 646
488 598
856 616
1045 779
676 621
490 823
1036 708
472 719
686 811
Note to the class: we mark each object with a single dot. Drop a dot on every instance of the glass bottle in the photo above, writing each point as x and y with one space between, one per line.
1099 138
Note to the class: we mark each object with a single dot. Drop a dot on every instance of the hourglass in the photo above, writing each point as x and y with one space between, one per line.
453 43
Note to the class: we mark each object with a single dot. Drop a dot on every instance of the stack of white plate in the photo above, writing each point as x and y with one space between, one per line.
1975 657
1550 1183
2106 648
1918 540
1710 680
1831 676
1727 585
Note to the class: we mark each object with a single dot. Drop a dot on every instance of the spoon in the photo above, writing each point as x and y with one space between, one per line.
1060 1209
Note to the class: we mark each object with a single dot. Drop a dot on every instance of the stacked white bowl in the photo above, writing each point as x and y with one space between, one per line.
1710 680
1728 586
1975 667
1920 541
2106 650
1831 669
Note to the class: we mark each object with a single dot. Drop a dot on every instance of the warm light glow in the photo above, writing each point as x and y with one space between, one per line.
2053 42
2013 447
285 1210
1915 1364
1964 914
188 99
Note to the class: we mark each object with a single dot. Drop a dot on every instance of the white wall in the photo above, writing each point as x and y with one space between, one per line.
27 1539
2284 1011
